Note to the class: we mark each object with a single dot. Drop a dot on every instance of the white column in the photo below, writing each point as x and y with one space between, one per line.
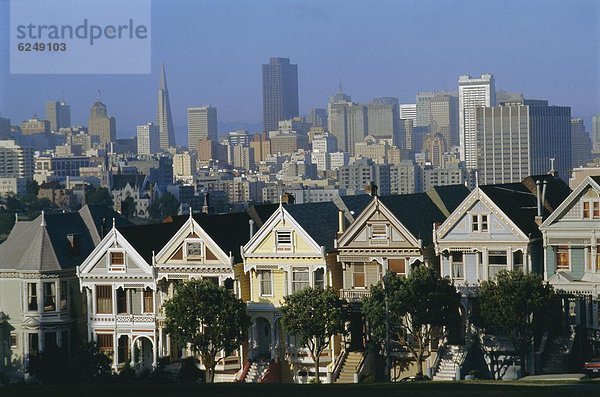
132 351
154 352
90 312
115 350
484 257
273 339
161 341
509 259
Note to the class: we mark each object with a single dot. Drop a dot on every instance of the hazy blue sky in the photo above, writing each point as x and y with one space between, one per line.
213 51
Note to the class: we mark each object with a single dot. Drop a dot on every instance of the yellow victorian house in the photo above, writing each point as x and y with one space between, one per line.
292 250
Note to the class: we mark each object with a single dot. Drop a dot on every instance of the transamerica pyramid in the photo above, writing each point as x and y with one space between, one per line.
164 120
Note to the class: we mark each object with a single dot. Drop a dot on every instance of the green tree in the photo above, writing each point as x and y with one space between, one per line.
99 196
418 305
209 319
166 205
517 305
313 316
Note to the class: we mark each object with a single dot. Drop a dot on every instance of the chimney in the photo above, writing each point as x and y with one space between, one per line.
288 198
371 189
74 240
251 223
340 222
538 196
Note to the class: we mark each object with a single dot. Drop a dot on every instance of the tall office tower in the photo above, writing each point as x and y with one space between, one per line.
507 96
434 148
101 125
239 137
596 133
383 117
581 144
4 128
317 117
516 140
423 106
184 167
34 126
406 134
280 92
202 124
15 161
444 117
164 120
58 114
471 94
348 123
148 139
408 111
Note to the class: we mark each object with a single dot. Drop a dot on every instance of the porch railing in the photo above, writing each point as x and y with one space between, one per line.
354 295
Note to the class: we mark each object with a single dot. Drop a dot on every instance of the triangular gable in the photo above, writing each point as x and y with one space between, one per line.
462 210
570 201
280 219
173 250
374 209
114 239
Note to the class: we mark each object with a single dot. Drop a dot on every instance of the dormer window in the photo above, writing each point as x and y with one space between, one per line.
194 249
116 261
379 231
591 209
283 240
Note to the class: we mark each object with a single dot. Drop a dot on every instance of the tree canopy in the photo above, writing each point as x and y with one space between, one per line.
99 196
313 316
517 305
166 205
209 319
418 304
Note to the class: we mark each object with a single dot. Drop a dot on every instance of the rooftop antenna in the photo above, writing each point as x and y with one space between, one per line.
552 170
98 95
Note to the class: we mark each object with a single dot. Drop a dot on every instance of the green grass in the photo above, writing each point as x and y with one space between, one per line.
443 389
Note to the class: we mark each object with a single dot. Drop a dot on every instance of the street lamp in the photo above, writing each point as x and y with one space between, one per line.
388 357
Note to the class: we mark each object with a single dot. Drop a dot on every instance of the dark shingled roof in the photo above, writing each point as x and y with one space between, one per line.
356 204
319 220
451 195
519 201
260 213
119 181
153 237
417 212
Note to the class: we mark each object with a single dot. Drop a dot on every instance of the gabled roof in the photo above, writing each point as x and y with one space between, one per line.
590 181
119 181
41 245
146 239
319 220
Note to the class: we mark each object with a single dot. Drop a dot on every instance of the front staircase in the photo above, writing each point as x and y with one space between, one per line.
555 355
257 371
349 367
452 358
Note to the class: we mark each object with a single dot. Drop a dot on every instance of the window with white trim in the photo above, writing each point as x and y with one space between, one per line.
116 261
266 282
479 223
458 265
563 258
497 261
300 278
32 297
194 249
518 260
591 209
320 279
283 240
49 296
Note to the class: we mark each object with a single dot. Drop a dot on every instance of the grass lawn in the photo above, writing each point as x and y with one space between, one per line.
443 389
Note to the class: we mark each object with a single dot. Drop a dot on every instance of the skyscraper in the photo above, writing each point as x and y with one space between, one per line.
596 133
164 120
4 128
408 111
423 109
347 121
471 94
444 117
581 144
317 117
58 114
202 124
101 125
519 139
148 139
383 117
280 92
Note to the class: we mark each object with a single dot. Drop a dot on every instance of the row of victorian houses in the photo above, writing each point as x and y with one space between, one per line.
92 276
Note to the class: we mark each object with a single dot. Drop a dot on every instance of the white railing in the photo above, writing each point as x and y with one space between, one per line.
354 295
126 319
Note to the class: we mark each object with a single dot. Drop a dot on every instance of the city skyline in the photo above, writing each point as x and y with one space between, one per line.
540 66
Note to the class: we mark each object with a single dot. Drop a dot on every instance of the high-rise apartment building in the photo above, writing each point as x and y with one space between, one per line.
516 140
4 128
423 109
596 133
280 92
444 117
102 125
148 139
16 161
184 167
408 111
472 93
58 114
202 124
581 144
347 122
383 117
164 120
